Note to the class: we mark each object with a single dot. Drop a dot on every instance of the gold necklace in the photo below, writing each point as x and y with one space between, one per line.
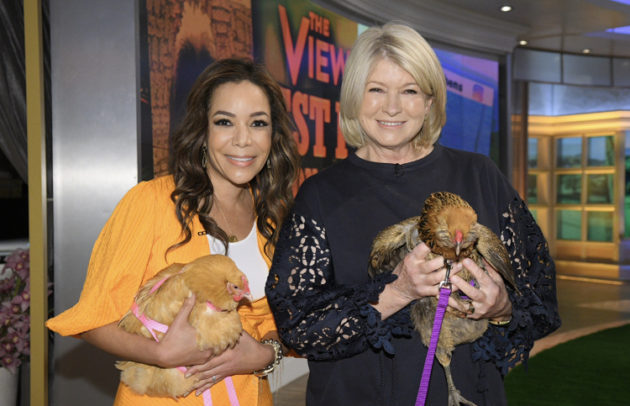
231 237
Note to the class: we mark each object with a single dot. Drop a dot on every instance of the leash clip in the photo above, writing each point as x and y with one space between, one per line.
446 283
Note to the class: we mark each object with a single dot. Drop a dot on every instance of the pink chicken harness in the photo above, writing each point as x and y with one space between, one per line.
154 326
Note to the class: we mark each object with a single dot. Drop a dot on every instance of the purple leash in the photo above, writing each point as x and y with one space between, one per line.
445 292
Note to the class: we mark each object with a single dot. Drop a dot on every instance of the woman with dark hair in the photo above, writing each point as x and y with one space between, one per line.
233 165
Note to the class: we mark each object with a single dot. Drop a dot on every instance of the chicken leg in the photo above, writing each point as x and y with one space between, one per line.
455 397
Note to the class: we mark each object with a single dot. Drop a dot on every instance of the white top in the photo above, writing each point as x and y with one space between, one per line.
248 259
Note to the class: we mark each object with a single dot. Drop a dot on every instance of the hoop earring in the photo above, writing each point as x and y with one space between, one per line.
204 154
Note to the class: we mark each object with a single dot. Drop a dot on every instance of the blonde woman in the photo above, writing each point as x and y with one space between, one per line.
357 333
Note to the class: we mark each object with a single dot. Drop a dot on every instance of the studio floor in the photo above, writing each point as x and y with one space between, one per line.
585 307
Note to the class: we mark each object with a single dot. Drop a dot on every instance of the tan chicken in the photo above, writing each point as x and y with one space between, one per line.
218 286
448 226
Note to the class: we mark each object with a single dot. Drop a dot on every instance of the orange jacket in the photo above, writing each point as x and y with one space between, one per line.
129 251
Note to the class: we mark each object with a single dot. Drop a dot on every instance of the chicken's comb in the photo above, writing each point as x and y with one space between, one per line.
459 236
245 284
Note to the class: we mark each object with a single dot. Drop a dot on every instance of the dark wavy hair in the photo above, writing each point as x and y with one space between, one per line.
272 186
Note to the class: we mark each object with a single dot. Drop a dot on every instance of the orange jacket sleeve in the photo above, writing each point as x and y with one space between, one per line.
116 268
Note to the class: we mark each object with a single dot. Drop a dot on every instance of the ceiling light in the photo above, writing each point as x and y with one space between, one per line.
620 30
506 8
586 51
522 42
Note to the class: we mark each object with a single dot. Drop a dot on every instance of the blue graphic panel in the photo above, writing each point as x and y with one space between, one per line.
472 108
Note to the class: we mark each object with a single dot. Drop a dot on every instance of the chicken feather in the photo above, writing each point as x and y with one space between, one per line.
448 226
213 279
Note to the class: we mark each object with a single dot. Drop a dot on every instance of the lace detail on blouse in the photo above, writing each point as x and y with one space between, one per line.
316 317
535 309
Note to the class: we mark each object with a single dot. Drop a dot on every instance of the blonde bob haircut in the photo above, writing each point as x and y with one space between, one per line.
406 48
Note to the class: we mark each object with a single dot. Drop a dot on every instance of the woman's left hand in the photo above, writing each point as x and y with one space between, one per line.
246 356
489 300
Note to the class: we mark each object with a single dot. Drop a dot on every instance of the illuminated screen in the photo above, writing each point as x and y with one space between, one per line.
472 105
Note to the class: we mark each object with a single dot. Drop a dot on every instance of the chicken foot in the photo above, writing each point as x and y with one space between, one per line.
455 398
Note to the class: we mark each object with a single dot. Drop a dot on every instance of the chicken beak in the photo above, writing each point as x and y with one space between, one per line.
458 247
240 295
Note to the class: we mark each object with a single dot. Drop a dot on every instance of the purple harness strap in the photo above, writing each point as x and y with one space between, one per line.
445 292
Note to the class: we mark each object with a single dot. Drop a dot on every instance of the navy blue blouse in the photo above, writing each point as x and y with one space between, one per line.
320 292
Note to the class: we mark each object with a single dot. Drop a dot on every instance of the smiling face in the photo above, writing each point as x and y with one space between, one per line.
239 133
392 113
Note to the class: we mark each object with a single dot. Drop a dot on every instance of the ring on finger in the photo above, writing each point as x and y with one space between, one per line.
214 379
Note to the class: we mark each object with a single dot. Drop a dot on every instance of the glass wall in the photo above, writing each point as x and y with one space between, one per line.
538 181
585 174
578 174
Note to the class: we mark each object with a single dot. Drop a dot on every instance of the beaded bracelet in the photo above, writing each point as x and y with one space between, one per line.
500 322
277 348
